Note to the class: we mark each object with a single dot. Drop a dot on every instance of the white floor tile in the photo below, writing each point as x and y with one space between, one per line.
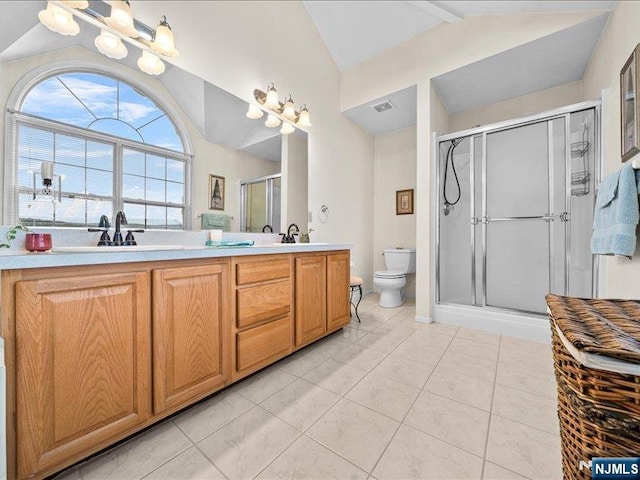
300 403
462 388
384 395
307 459
335 376
242 448
415 455
264 384
525 450
496 472
461 425
206 418
140 456
403 370
360 357
189 465
355 432
528 408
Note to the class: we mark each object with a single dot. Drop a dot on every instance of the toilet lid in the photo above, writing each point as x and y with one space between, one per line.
389 274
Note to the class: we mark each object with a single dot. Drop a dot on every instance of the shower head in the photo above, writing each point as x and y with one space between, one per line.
447 208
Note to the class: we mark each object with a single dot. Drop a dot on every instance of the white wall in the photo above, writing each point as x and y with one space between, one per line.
209 157
618 40
394 169
440 50
294 192
240 46
522 106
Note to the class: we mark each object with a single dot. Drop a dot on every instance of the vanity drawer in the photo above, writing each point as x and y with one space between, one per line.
261 345
262 302
261 271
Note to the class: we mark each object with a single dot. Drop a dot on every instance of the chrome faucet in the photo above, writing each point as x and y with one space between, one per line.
121 219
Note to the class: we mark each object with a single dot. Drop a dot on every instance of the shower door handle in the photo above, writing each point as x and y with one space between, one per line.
475 220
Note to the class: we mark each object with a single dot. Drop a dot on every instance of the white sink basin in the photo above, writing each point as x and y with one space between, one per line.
134 248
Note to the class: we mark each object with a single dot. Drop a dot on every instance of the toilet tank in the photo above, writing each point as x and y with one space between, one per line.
400 259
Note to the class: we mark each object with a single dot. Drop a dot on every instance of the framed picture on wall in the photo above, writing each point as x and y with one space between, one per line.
216 192
629 106
404 202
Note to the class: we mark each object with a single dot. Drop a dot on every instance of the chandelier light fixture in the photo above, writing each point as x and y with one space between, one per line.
115 29
285 110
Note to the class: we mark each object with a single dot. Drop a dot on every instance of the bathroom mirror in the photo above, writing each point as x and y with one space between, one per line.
222 140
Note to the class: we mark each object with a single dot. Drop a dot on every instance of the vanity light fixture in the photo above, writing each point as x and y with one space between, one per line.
119 26
58 20
110 45
151 64
254 112
79 4
271 99
286 110
287 128
121 18
272 121
303 117
164 42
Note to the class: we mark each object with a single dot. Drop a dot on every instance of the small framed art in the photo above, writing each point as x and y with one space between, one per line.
216 192
404 202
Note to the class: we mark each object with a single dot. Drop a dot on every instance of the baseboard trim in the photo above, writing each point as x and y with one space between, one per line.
423 319
528 327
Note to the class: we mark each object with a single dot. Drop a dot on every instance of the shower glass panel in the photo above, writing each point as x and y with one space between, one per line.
260 204
582 190
517 217
455 259
515 212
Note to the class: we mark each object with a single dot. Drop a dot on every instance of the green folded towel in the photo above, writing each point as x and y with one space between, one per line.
243 243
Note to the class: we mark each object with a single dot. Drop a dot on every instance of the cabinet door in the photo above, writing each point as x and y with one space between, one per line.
311 295
82 346
338 277
191 321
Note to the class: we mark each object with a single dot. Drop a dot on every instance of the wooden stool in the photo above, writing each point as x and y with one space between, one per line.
356 284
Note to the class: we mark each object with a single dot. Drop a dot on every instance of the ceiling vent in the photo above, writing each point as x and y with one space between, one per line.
383 106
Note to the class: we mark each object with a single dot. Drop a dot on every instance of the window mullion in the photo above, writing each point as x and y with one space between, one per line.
118 204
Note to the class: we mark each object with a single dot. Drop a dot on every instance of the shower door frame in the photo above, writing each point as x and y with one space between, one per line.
483 131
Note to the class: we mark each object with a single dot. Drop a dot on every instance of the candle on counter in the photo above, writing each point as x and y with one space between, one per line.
215 235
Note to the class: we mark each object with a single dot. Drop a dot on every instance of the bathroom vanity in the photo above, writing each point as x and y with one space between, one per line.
99 346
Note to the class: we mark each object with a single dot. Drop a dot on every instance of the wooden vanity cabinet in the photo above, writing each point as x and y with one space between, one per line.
191 327
322 294
82 351
263 307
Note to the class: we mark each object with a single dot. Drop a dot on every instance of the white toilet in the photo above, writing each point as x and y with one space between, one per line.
399 261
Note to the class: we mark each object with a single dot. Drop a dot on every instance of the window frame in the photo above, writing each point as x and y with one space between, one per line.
15 117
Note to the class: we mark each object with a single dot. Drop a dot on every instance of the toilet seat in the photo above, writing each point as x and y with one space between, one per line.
389 274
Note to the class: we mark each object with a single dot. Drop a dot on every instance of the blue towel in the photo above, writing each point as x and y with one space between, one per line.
241 243
616 214
216 221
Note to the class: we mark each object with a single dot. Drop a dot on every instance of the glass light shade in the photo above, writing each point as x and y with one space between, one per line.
272 121
289 109
58 20
254 112
150 64
121 18
272 98
79 4
287 128
110 45
164 41
303 118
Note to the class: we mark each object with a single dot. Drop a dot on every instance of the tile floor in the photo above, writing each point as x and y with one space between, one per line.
384 399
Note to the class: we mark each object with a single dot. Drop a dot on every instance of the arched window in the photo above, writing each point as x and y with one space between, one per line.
112 148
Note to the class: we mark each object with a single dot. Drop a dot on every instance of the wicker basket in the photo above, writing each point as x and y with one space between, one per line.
599 410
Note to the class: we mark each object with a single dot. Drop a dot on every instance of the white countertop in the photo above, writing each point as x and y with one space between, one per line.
15 259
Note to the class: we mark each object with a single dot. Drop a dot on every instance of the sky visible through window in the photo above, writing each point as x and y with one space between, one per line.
103 104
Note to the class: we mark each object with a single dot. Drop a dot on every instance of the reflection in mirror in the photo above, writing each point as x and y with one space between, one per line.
261 204
211 123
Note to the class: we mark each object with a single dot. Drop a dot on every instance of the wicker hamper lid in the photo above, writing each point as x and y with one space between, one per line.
599 326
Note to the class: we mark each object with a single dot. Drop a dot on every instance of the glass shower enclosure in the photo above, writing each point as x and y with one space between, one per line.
515 211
